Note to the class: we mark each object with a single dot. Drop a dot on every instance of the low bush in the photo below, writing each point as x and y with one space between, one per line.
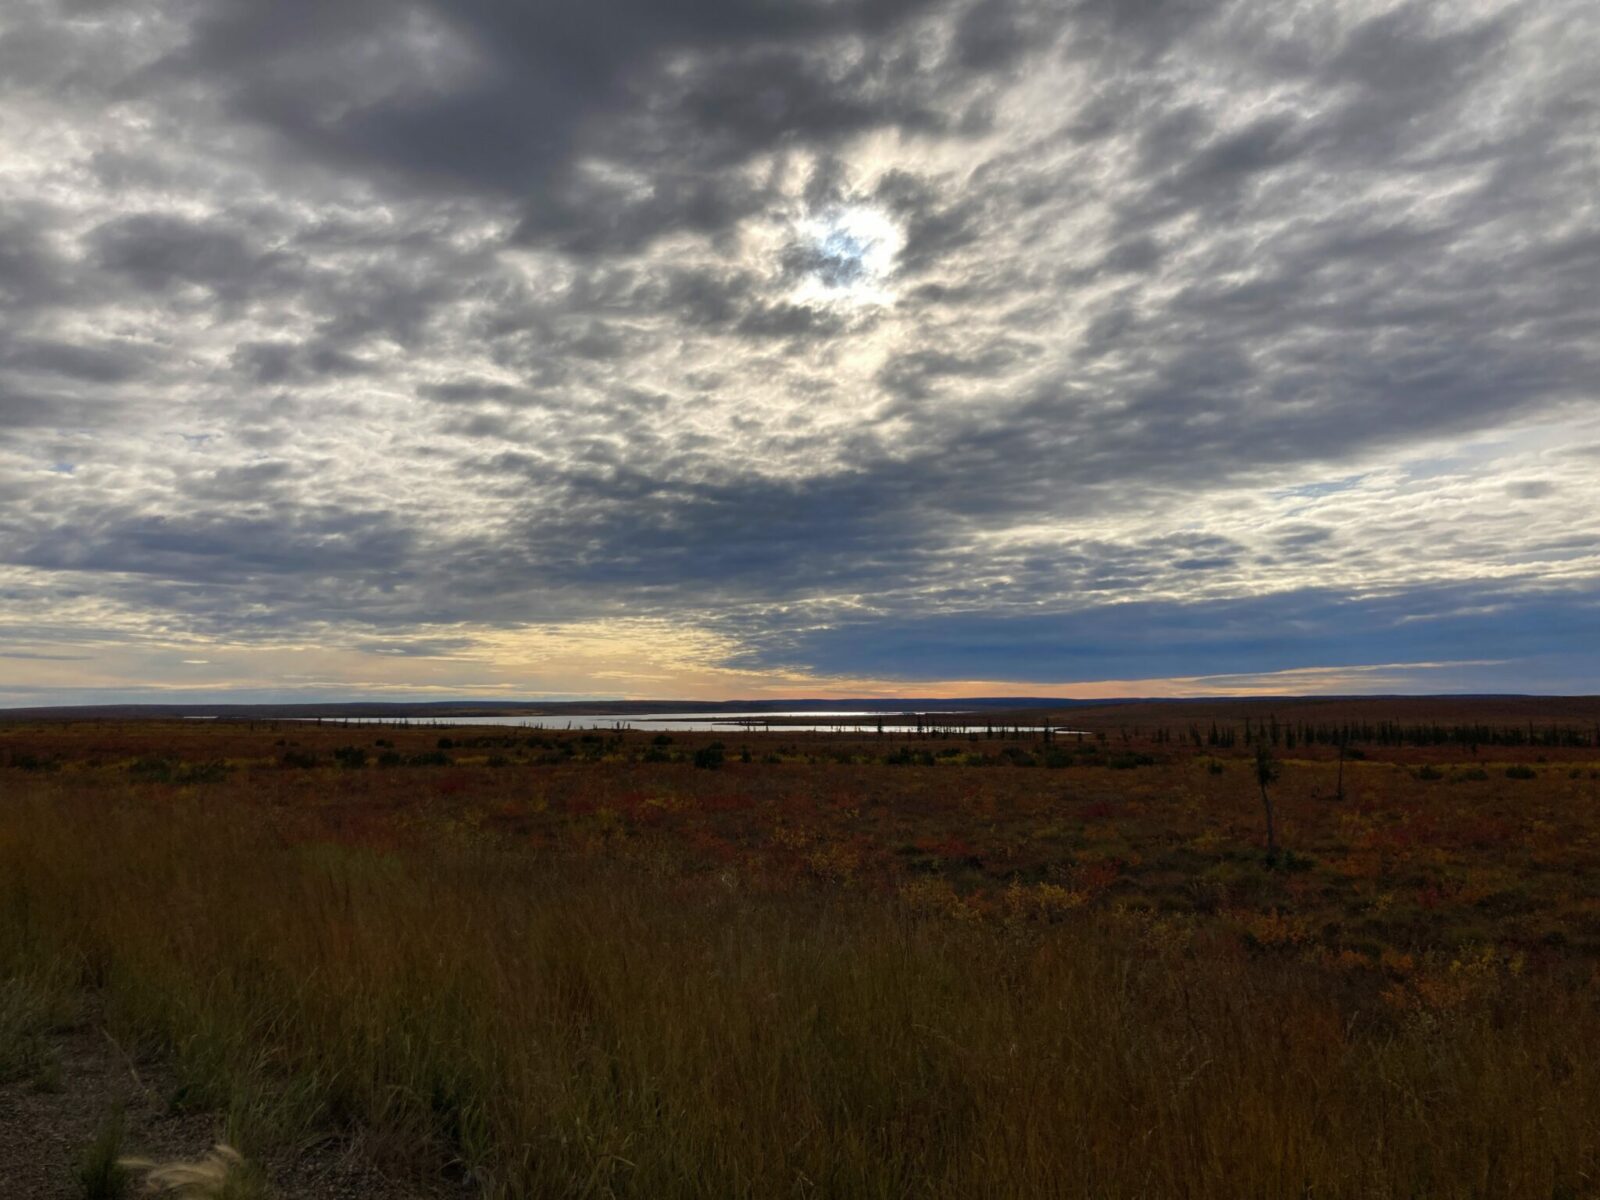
709 758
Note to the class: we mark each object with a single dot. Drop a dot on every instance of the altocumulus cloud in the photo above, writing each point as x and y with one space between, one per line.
710 345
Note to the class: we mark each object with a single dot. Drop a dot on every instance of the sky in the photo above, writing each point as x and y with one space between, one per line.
730 348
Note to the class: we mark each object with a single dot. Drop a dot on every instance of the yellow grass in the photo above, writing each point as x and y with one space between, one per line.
219 1175
569 1026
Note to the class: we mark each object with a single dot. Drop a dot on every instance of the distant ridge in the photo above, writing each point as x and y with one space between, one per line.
535 708
1502 705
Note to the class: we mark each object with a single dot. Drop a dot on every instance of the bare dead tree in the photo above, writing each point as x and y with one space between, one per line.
1266 774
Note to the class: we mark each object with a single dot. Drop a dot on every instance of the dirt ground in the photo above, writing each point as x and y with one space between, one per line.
43 1132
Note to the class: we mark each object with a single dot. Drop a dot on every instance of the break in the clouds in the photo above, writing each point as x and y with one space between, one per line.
653 347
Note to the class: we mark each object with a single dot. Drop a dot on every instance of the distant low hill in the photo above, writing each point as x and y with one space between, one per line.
439 710
1097 713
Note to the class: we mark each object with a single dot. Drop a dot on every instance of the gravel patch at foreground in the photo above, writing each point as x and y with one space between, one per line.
44 1130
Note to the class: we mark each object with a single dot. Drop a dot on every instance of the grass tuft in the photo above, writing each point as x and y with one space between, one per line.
102 1174
222 1174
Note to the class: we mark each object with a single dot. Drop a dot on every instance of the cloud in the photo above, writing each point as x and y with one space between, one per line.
927 331
105 363
1297 631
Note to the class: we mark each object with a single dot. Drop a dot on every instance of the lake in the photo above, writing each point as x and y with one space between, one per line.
791 722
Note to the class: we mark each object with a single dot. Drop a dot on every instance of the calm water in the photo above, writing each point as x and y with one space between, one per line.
815 722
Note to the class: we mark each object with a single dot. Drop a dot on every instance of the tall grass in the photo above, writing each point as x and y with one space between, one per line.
553 1027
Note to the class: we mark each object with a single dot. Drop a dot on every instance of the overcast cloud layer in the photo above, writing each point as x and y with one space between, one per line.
716 347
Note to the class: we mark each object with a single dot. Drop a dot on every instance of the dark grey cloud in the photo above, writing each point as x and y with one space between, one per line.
90 363
1234 637
32 273
20 411
292 362
536 88
915 374
158 252
203 549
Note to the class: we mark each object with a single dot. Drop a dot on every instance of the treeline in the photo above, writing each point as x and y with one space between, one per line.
1289 734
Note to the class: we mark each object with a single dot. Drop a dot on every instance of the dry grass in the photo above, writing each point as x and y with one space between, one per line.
563 1025
222 1174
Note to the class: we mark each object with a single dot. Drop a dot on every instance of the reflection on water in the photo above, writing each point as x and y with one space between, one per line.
777 722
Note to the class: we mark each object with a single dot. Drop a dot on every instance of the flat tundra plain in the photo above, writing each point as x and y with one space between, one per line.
467 961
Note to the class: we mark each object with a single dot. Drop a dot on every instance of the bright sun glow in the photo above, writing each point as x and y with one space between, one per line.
848 254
